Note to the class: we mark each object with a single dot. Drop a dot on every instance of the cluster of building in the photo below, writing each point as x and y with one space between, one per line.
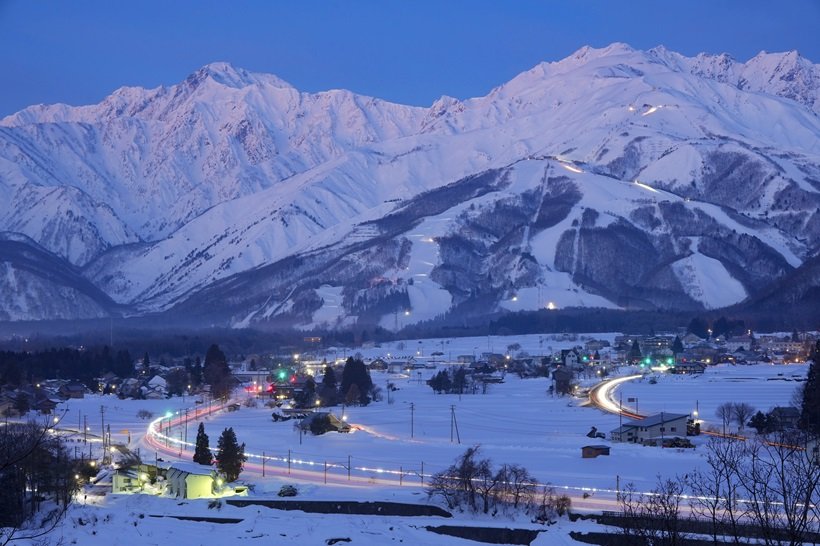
178 479
42 397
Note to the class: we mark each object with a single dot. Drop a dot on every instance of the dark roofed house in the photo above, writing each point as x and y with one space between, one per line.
377 364
787 417
44 405
72 390
661 425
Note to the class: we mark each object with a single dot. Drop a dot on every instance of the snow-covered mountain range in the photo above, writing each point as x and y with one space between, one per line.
613 178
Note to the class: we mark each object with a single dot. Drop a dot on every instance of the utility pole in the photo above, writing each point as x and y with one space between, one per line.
454 424
102 431
412 419
263 464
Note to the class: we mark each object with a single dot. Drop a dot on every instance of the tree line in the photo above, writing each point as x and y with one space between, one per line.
22 368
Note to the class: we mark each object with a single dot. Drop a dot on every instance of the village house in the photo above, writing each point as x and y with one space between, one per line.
595 345
654 427
192 481
786 417
72 390
155 389
690 340
736 343
132 479
377 364
570 358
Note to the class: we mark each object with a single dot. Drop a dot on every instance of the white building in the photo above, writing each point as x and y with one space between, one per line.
192 481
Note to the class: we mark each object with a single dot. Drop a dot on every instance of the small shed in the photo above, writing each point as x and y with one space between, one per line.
590 452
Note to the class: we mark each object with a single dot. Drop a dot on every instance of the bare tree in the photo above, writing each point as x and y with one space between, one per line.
516 485
781 479
655 517
724 413
551 505
471 483
741 413
716 490
457 484
486 484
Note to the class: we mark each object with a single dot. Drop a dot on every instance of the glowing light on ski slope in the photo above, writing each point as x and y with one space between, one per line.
644 186
551 306
572 168
652 110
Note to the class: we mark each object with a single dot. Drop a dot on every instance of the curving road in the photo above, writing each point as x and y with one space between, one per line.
160 437
600 396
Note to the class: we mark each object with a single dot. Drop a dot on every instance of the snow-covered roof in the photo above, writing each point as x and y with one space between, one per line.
157 381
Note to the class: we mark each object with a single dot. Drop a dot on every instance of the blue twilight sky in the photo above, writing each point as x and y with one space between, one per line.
412 52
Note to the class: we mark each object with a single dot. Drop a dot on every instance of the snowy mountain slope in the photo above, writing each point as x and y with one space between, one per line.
615 178
161 157
35 284
482 239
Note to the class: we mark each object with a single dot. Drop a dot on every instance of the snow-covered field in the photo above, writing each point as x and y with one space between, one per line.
514 422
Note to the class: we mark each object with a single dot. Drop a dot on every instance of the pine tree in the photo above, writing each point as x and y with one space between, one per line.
355 373
217 372
635 352
329 379
196 372
353 396
677 346
202 452
231 455
699 327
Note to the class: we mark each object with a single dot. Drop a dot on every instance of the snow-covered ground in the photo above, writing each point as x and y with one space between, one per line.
514 422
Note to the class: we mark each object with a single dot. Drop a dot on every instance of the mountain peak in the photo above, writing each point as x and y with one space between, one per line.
587 53
224 73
